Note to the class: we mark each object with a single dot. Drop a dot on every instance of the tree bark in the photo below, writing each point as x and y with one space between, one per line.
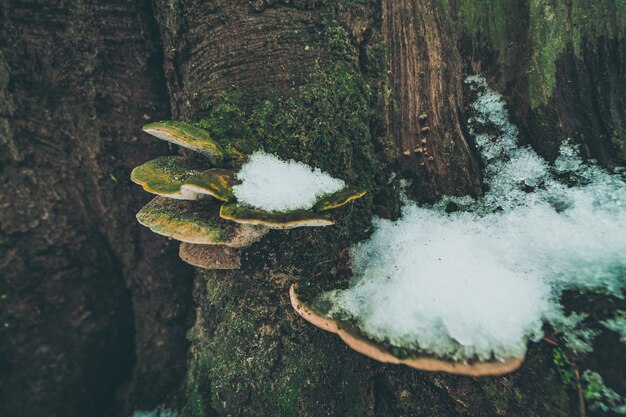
91 306
95 309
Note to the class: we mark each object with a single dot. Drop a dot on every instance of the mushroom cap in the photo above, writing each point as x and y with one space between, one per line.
378 352
210 256
166 176
179 178
196 222
338 199
273 220
215 182
188 136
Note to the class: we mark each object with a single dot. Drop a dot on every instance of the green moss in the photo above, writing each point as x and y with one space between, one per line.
251 365
617 140
326 124
251 355
486 20
228 124
599 396
596 18
549 35
343 4
564 366
554 25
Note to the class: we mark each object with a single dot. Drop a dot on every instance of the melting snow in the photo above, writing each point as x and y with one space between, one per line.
481 281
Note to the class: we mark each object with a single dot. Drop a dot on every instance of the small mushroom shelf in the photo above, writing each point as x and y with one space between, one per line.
307 308
196 205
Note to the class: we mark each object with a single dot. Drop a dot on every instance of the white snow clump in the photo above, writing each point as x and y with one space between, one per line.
271 184
480 282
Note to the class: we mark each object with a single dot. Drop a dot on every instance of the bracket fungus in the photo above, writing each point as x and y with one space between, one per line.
273 220
338 199
383 352
215 182
188 136
165 176
249 195
210 256
281 194
196 223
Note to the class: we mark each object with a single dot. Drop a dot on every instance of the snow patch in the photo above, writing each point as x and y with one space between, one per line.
480 282
271 184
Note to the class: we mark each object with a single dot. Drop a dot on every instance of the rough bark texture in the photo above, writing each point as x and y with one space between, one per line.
94 310
88 299
425 69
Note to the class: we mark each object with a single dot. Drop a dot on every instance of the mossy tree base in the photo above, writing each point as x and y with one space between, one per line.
252 355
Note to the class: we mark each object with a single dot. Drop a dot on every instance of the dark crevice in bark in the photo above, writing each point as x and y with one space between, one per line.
77 80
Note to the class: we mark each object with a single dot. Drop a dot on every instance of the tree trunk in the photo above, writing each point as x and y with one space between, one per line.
92 306
96 309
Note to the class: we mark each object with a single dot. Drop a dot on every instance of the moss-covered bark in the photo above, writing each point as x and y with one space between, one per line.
559 63
341 85
329 98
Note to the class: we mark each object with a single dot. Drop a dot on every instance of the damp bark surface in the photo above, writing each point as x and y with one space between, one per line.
101 318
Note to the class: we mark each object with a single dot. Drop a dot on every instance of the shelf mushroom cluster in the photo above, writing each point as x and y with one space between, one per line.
214 228
195 204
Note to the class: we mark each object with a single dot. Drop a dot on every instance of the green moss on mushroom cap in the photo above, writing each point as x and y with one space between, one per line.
338 199
273 220
215 182
165 176
196 223
188 136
